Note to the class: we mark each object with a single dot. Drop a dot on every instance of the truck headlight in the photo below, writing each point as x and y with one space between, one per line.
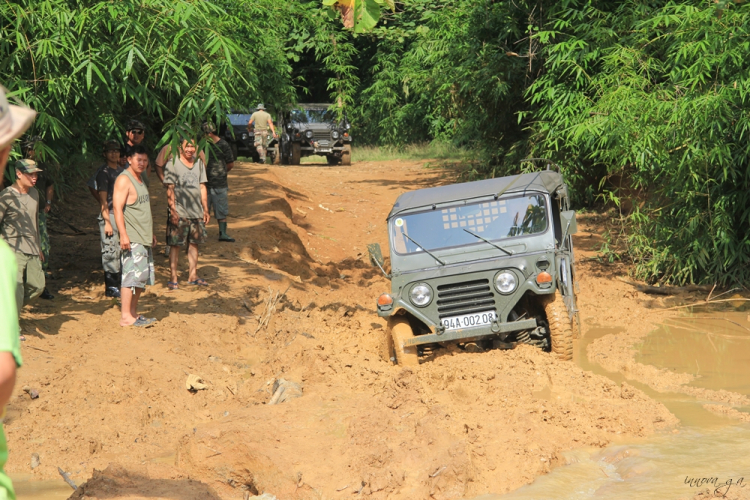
347 125
244 137
309 134
335 134
506 282
421 295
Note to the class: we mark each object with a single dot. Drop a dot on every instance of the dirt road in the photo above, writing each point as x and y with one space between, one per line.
461 425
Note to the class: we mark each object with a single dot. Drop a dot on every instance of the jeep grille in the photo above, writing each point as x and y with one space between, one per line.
465 298
322 135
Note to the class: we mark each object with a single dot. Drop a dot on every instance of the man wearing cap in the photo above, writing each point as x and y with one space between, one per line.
110 239
262 122
46 189
19 227
14 120
135 133
220 162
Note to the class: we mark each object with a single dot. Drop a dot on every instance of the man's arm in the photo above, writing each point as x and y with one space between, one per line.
228 154
161 159
94 193
204 202
38 231
270 124
7 376
105 212
174 217
50 195
250 124
119 199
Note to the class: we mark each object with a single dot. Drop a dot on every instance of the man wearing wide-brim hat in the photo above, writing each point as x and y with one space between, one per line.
19 227
14 120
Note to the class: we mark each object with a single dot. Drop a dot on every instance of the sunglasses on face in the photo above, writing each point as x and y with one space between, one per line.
138 131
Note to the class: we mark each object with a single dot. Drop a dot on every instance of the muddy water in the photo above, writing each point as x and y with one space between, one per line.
716 349
28 489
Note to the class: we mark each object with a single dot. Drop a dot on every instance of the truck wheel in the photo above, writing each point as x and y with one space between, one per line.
346 155
397 332
296 153
332 160
277 158
560 328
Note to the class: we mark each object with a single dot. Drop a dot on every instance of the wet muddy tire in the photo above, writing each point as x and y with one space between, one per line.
560 328
346 155
296 155
399 330
387 352
277 158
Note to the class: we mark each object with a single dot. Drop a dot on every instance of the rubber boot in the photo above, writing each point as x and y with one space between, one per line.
112 284
223 236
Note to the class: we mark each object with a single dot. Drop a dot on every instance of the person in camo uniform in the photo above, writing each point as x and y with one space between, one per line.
19 227
109 236
14 120
132 207
46 189
220 162
185 177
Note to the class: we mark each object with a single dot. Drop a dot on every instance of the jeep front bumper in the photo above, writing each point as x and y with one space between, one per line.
472 333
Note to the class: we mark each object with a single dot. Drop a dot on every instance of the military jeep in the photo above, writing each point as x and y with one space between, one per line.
312 129
487 262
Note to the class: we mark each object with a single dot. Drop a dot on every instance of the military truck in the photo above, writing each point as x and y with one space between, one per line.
312 129
242 140
488 262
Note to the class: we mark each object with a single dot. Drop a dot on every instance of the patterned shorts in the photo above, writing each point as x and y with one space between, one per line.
137 267
185 232
261 138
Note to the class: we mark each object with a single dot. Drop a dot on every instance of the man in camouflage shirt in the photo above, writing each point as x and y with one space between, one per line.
220 161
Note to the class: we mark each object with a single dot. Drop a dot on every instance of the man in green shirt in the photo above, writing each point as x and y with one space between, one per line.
262 122
14 120
19 227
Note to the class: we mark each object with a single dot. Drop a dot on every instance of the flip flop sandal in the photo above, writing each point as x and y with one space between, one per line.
198 282
22 338
141 316
141 321
173 285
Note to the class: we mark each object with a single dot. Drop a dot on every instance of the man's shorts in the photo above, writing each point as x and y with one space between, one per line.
219 199
185 232
137 267
261 138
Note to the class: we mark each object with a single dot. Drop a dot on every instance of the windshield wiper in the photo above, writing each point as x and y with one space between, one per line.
423 248
487 241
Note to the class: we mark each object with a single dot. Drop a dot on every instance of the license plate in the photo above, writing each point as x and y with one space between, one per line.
469 320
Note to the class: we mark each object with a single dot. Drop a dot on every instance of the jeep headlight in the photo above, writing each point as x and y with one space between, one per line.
335 134
420 295
347 125
505 282
309 134
244 137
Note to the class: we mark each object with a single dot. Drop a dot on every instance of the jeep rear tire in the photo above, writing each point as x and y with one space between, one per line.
398 331
560 328
294 158
346 155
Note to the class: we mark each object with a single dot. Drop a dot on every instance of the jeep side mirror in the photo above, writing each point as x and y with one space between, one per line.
568 222
376 257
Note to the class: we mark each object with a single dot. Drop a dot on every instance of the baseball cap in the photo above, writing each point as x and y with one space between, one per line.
208 128
14 120
111 146
27 166
134 124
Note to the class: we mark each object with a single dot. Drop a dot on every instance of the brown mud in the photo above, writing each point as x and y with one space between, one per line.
113 408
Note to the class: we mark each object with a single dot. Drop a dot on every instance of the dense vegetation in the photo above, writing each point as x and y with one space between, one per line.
634 98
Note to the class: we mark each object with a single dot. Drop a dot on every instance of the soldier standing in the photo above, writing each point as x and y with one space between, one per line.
46 190
220 162
262 122
19 227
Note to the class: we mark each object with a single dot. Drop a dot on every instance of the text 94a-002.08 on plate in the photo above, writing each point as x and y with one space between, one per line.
469 320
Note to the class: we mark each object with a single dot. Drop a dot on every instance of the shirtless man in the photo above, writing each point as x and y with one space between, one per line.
132 207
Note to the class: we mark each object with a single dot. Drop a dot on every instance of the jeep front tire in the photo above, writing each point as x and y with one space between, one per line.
560 328
346 155
398 331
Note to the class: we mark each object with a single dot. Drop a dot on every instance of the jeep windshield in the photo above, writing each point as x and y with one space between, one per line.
493 220
312 116
238 119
